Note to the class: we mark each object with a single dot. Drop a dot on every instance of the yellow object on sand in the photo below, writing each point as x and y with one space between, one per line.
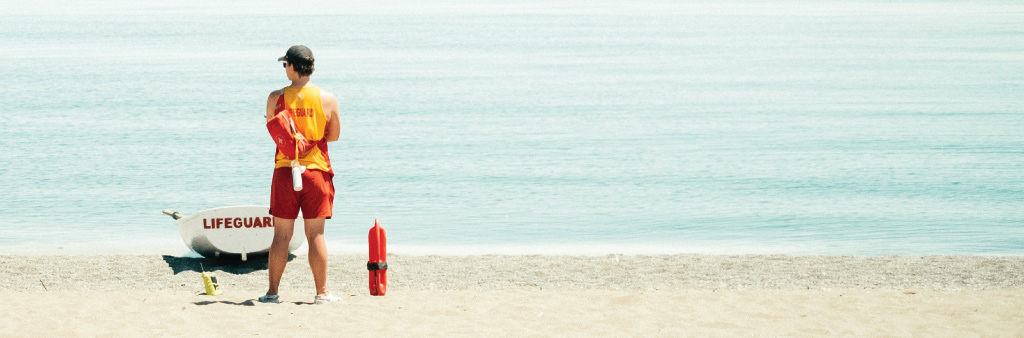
210 282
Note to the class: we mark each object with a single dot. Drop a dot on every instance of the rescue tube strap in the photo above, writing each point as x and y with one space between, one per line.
377 266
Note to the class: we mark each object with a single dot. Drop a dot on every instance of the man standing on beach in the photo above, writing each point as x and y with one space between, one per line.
315 114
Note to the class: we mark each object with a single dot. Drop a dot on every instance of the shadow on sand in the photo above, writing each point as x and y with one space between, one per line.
250 302
233 265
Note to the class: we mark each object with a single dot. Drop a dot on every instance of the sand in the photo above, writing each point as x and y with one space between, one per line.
523 296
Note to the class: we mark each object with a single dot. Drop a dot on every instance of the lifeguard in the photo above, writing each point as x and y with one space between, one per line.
315 114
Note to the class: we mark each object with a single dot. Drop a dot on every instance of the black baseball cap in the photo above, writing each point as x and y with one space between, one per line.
298 54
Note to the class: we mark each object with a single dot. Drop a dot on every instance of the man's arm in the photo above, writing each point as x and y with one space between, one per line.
330 105
272 104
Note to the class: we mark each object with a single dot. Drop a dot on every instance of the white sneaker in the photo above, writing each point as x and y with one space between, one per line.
269 299
325 299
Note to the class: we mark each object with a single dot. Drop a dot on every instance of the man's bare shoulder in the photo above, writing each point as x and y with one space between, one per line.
276 93
327 96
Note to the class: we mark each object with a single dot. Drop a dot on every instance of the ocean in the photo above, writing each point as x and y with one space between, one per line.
810 127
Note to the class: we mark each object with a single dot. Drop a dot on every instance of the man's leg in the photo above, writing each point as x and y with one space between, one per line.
278 257
317 253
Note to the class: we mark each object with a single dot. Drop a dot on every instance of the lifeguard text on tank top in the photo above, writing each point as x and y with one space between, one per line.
311 122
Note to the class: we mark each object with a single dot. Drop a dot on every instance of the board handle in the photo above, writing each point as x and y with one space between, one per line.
173 214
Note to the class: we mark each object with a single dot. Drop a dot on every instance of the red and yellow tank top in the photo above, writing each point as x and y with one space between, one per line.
311 121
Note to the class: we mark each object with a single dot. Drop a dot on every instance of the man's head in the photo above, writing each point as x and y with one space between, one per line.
299 57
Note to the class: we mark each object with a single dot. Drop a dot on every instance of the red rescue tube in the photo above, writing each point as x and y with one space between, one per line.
378 264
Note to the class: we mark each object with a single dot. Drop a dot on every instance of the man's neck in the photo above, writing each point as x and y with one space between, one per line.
301 82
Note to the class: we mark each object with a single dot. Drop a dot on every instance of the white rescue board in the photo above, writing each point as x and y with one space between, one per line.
236 230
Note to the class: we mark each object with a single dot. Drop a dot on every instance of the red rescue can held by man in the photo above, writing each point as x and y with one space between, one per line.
378 264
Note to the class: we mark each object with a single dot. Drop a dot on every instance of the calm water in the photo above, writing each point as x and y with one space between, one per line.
811 127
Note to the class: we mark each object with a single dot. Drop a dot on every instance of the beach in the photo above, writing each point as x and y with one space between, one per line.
523 295
811 168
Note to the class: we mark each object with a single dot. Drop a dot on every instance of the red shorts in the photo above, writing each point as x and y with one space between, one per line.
316 200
